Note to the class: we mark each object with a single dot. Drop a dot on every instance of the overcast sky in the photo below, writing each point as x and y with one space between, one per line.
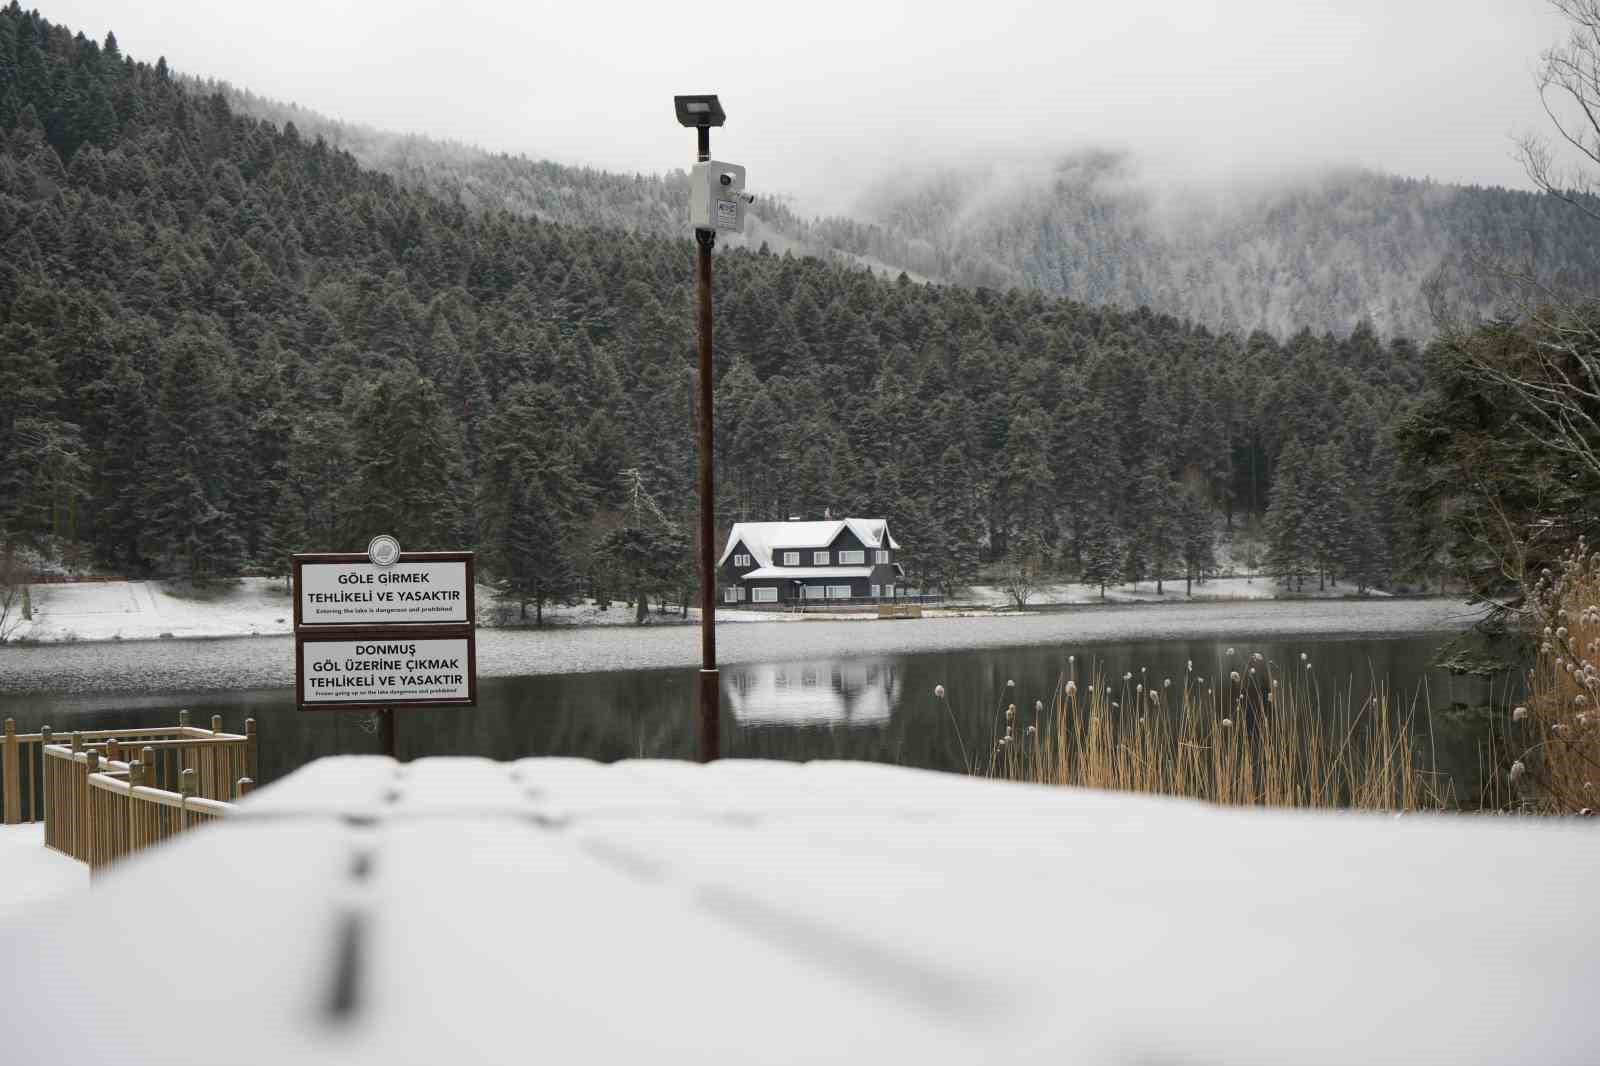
823 95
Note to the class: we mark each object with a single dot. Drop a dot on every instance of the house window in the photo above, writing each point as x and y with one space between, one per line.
881 555
730 595
741 560
816 592
852 558
819 558
877 591
763 595
888 592
791 558
838 592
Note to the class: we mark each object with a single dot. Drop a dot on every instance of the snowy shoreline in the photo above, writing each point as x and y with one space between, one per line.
255 606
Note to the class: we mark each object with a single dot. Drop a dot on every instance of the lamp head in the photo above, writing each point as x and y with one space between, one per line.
703 110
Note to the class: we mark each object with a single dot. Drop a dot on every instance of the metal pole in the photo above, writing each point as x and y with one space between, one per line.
710 681
386 722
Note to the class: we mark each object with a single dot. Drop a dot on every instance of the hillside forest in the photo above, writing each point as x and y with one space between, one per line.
1324 250
223 341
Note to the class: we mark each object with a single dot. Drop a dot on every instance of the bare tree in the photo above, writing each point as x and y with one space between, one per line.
1569 89
14 607
1560 384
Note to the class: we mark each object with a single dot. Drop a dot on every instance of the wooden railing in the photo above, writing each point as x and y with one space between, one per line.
204 770
218 758
123 815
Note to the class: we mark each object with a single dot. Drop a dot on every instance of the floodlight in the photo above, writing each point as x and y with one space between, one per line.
699 110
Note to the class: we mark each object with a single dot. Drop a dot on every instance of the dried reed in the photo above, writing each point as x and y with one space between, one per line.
1257 734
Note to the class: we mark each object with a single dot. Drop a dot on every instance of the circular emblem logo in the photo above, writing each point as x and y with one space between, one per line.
383 550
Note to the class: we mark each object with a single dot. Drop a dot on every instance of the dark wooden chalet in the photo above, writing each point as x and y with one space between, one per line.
834 560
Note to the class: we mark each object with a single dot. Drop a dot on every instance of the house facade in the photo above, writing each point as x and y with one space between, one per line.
832 561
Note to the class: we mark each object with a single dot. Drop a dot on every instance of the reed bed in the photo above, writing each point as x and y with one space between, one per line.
1252 733
1554 735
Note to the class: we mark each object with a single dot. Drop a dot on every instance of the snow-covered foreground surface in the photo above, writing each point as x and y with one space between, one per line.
31 875
464 911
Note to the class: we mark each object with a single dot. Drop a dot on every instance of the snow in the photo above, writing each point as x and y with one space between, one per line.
464 911
1216 588
762 539
256 606
808 571
251 606
32 875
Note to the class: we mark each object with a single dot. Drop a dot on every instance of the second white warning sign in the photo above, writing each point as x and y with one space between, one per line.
386 671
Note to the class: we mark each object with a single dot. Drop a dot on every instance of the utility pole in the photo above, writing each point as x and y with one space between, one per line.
717 201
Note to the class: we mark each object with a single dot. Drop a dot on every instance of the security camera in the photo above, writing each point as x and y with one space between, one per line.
726 179
748 197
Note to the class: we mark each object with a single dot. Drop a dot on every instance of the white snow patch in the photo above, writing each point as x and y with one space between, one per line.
33 876
1216 588
767 912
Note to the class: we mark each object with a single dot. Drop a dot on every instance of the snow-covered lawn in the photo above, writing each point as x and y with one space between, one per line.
456 910
32 875
252 606
1217 588
256 606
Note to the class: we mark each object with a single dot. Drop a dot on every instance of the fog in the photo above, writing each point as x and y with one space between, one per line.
825 98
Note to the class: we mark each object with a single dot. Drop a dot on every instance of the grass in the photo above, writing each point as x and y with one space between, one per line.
1256 733
1554 736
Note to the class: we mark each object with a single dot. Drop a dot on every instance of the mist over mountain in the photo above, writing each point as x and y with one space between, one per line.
1314 249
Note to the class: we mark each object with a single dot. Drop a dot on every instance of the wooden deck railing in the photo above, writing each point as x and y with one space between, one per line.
204 770
123 815
219 759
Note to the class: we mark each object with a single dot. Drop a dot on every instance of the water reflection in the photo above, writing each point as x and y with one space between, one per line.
879 707
853 692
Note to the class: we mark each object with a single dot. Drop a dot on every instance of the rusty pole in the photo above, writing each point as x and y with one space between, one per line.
710 680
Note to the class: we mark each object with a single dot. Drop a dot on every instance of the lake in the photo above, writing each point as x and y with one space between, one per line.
791 690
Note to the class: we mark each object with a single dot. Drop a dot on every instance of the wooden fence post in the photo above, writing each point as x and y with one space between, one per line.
148 756
216 723
245 787
186 790
183 719
10 766
90 846
251 771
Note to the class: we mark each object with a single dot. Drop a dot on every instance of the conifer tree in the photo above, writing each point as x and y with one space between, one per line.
1288 537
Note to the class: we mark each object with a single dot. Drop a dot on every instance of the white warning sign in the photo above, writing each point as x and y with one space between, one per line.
387 670
359 593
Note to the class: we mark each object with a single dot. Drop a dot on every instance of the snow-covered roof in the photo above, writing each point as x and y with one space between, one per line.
764 538
384 912
769 572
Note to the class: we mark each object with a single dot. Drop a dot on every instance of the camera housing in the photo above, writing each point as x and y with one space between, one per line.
717 199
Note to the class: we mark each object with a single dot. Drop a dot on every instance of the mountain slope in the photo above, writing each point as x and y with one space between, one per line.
1324 251
222 341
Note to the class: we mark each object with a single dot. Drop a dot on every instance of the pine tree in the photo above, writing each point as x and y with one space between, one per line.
1103 552
1286 526
1196 538
190 522
409 475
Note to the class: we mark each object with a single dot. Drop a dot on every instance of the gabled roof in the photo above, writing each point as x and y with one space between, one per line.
764 538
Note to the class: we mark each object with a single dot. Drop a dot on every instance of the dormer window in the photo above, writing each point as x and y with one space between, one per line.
882 555
741 560
791 558
819 558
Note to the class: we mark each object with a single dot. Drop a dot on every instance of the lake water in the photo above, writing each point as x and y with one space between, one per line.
799 690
